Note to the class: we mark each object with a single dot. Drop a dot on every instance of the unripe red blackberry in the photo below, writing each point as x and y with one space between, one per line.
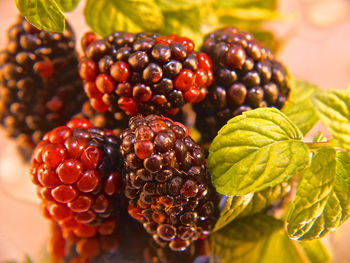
40 83
167 181
77 170
246 76
143 73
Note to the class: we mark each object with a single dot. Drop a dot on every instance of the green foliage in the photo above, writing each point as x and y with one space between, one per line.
184 17
67 5
333 108
299 108
256 239
315 251
106 16
342 184
316 209
43 14
258 149
244 205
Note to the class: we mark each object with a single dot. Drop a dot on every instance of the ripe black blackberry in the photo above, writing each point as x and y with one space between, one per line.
246 76
40 86
167 181
143 73
77 169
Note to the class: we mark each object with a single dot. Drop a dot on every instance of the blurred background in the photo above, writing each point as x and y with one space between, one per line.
316 48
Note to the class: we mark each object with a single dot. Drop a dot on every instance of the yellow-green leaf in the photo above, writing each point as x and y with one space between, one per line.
342 184
333 108
43 14
259 149
107 16
67 5
255 239
316 251
299 108
244 205
315 211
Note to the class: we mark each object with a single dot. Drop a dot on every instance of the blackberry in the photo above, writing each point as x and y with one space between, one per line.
246 76
143 73
167 181
65 246
77 170
40 86
143 249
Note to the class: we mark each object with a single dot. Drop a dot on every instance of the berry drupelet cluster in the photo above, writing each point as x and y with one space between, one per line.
167 181
246 76
77 169
40 86
143 73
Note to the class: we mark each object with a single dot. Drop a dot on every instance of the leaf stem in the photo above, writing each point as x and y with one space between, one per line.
316 145
331 143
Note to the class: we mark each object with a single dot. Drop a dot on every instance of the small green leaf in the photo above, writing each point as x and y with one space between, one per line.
333 108
315 210
67 5
243 205
315 251
43 14
255 239
107 16
260 148
299 108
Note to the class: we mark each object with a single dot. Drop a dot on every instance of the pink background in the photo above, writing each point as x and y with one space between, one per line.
318 50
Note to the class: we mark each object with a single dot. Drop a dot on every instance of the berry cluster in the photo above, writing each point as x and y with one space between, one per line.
82 168
167 181
143 73
246 76
77 171
40 86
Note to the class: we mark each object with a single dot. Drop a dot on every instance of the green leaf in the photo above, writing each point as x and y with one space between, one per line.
243 205
315 251
299 108
267 4
175 5
189 22
333 108
255 239
107 16
67 5
43 14
342 184
260 148
249 14
315 210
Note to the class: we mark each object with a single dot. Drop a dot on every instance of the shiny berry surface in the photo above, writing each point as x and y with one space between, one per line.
40 84
147 73
77 169
166 180
246 75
